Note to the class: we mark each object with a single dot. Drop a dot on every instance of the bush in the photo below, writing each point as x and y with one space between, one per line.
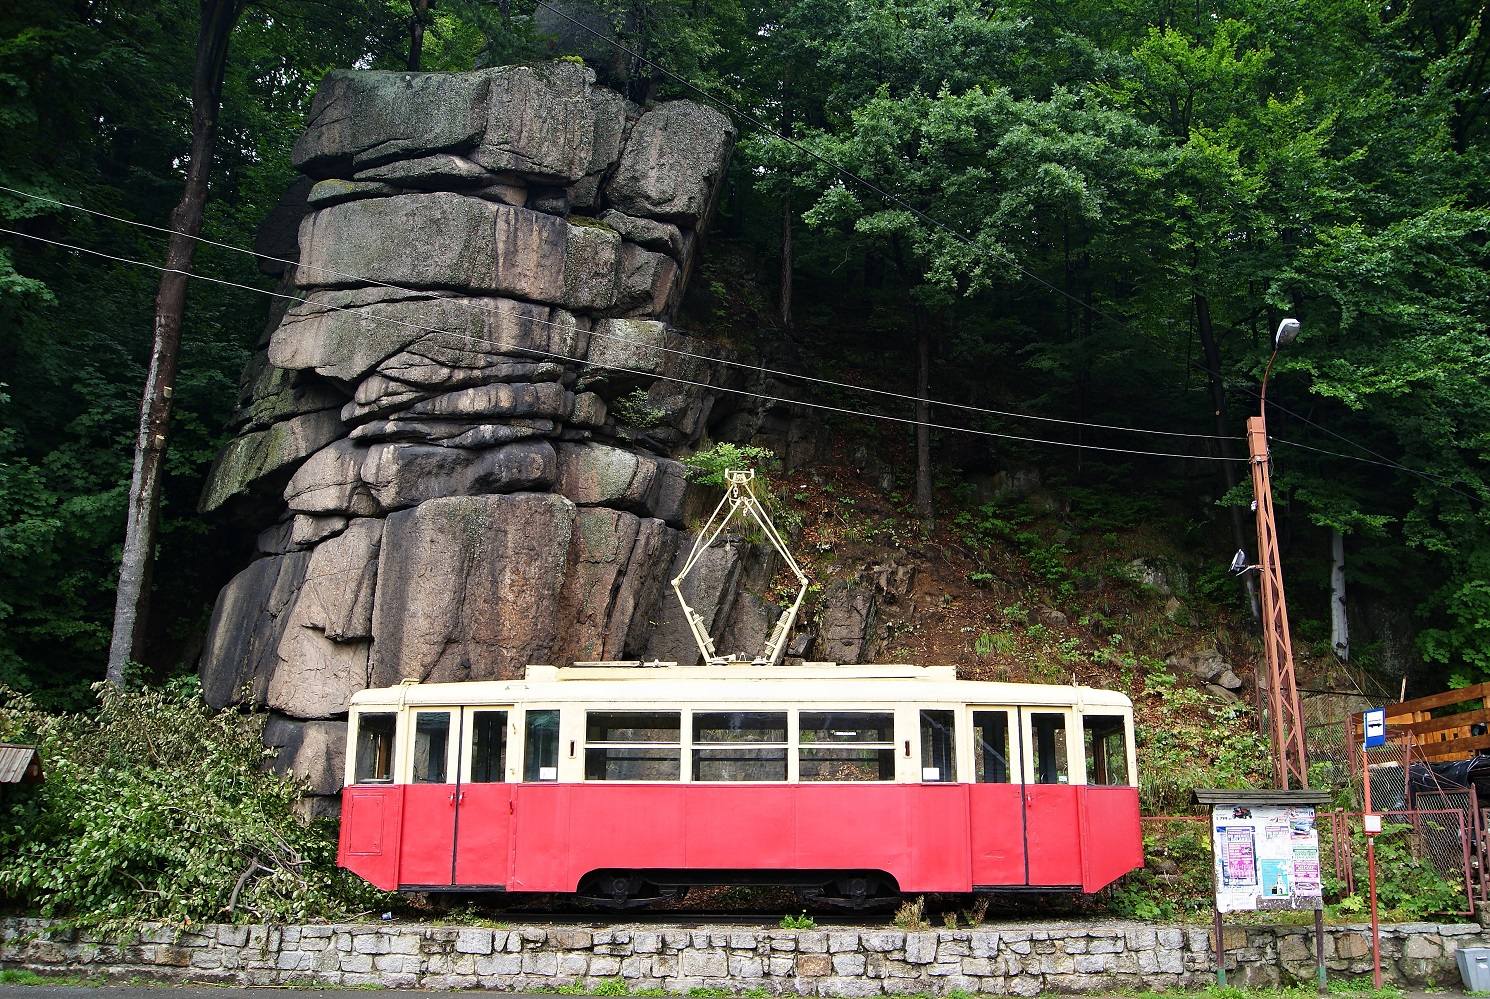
709 465
156 808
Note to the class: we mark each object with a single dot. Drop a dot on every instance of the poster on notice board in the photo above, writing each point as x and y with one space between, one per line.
1267 857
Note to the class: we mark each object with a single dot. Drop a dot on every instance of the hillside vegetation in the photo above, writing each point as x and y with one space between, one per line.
1091 212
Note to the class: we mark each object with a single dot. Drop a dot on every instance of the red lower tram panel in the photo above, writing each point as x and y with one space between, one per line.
926 837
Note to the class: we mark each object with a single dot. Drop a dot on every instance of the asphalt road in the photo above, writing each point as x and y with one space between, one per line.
197 992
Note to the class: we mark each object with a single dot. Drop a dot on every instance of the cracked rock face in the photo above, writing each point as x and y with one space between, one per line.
426 445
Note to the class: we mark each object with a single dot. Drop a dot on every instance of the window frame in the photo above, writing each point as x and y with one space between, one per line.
692 745
510 773
1075 746
454 736
900 730
685 731
1125 714
354 729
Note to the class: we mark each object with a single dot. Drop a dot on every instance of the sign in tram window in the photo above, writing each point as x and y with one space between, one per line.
1048 732
846 746
488 747
374 748
541 745
938 746
1106 750
431 746
991 730
739 745
633 745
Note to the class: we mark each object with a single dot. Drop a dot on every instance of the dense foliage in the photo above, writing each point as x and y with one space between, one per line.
1116 192
154 807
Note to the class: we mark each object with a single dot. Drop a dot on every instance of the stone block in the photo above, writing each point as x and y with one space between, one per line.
851 987
571 939
499 965
841 941
474 941
646 942
812 942
848 964
704 963
920 948
814 965
745 967
605 966
882 941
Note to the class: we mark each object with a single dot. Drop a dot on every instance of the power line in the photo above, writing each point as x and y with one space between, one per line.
925 218
966 407
823 407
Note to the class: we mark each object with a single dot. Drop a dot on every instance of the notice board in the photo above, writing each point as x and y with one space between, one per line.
1266 856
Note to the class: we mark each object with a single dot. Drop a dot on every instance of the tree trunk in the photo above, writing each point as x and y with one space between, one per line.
416 33
1339 626
786 262
132 599
1224 429
924 508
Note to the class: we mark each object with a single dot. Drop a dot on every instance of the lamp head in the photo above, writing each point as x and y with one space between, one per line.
1288 332
1238 563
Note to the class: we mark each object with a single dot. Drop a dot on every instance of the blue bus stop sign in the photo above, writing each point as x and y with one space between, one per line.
1375 729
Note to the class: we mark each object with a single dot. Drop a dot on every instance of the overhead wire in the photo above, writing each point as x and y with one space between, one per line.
709 358
520 349
929 220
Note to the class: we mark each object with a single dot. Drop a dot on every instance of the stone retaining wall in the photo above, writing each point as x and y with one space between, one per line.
1020 959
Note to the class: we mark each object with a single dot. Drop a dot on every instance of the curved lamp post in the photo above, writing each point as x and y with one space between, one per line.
1291 760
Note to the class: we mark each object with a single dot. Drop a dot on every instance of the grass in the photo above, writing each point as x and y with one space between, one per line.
25 976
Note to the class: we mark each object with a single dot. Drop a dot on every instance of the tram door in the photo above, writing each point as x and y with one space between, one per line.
996 798
1051 798
430 798
484 808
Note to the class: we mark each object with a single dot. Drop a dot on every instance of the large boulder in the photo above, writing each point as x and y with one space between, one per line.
322 655
402 475
594 474
550 123
310 750
467 585
614 581
331 483
255 456
467 243
672 163
247 622
368 117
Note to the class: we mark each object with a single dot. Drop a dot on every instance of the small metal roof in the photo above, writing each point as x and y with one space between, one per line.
1259 796
16 761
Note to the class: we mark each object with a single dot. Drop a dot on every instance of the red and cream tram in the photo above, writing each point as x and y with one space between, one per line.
623 782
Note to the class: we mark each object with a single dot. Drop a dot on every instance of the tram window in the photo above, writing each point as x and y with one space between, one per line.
846 746
633 745
938 746
1049 733
488 747
374 748
1106 750
541 745
431 746
739 745
991 729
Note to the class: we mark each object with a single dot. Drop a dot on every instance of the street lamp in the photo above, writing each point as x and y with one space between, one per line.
1291 759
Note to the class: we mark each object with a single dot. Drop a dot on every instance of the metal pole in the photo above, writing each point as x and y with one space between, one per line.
1221 952
1371 873
1291 762
1319 972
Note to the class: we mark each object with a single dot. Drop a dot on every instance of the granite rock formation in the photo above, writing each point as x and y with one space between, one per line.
480 265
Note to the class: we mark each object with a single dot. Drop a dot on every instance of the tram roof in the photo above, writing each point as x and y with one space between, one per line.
677 684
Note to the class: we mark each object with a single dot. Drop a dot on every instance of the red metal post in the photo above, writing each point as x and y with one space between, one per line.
1292 760
1371 874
